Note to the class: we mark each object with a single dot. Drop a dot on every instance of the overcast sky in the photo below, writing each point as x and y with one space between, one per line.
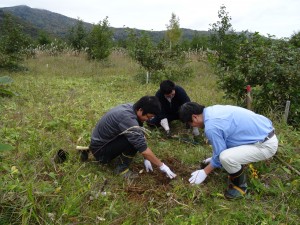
276 17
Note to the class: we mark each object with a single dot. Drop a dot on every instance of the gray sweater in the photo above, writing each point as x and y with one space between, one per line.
113 123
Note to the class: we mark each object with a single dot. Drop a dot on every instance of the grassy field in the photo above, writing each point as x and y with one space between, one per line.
61 99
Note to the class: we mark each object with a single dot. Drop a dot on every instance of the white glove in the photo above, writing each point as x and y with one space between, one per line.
148 165
206 161
165 124
195 131
167 170
198 177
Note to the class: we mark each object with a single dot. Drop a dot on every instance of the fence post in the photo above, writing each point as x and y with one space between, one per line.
147 77
286 111
248 97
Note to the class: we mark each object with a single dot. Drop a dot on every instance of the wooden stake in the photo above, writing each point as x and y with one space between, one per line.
286 111
248 97
286 164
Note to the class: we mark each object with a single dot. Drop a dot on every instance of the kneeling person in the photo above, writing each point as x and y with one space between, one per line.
171 97
118 135
238 137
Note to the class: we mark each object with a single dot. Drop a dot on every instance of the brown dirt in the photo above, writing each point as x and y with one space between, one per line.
155 184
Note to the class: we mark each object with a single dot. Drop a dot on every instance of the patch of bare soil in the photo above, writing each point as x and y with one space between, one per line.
155 184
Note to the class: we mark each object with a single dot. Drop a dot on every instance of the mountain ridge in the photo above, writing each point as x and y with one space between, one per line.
58 25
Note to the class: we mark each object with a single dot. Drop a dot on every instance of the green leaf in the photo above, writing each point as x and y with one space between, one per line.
6 92
286 170
5 147
6 80
52 175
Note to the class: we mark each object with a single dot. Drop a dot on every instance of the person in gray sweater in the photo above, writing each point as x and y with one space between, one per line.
118 134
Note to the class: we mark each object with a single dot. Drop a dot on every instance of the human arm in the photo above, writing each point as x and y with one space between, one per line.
216 139
206 161
149 155
199 176
165 124
133 132
182 95
215 136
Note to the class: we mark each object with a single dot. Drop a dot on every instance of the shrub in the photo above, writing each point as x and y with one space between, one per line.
77 36
12 44
161 61
99 41
270 66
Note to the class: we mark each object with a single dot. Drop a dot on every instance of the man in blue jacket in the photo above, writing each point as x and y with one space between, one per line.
171 97
118 134
238 137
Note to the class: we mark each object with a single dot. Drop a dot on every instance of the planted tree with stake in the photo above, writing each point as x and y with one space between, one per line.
162 61
174 32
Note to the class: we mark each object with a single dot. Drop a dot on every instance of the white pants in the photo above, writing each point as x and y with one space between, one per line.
232 158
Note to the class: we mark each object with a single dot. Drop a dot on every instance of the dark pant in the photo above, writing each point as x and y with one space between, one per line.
111 150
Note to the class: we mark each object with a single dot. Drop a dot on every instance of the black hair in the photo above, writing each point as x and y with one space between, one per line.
188 109
167 86
149 104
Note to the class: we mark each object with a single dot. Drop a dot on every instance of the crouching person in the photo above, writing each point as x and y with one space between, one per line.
238 137
118 135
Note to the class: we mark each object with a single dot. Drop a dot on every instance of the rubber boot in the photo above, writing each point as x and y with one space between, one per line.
84 155
61 156
123 162
237 187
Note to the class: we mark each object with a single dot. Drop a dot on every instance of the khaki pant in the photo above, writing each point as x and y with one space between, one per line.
232 158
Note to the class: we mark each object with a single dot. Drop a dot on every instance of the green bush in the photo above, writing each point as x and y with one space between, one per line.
161 61
270 66
77 36
99 41
12 44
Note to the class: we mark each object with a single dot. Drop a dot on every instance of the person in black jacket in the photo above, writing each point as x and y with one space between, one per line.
118 134
171 97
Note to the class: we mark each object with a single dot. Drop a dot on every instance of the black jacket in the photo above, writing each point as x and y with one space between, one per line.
169 108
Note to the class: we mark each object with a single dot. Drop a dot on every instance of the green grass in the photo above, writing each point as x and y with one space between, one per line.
61 99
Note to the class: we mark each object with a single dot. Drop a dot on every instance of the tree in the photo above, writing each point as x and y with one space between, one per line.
43 38
99 41
295 39
224 40
12 43
77 36
270 66
143 51
160 61
199 42
174 32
